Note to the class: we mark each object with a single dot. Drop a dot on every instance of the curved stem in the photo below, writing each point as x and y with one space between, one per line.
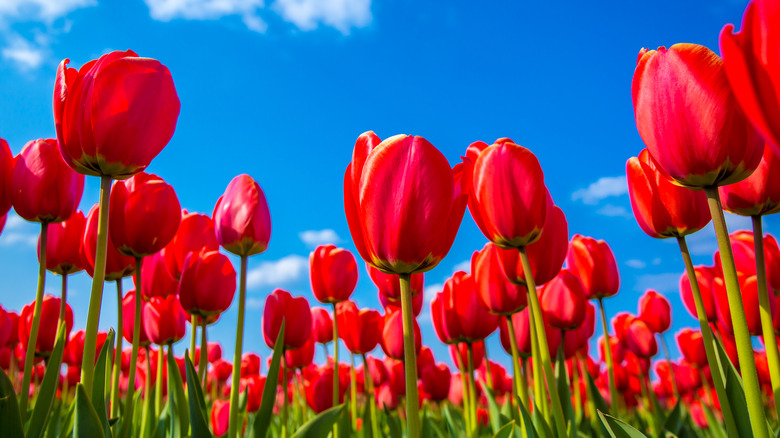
669 362
472 391
96 295
136 343
117 353
770 341
202 362
33 339
613 394
370 397
747 362
410 358
235 378
544 351
520 386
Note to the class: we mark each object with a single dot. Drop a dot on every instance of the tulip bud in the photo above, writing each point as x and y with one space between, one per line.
128 319
494 290
164 320
47 330
64 248
593 262
117 265
241 218
392 339
207 284
563 302
655 311
361 330
6 180
321 325
390 286
436 381
280 305
333 273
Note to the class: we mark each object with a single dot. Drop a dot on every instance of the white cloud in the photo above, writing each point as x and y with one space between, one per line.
464 266
16 239
41 10
636 264
613 211
431 290
167 10
286 270
26 55
605 187
14 221
666 282
254 303
339 14
315 238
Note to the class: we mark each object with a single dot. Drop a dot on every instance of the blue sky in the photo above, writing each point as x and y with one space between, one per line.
281 91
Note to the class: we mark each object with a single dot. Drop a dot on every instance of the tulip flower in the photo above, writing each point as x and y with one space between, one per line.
641 339
691 345
319 389
280 305
117 266
156 281
390 286
392 341
494 290
333 273
6 171
758 194
164 320
64 250
220 417
387 303
749 288
75 347
207 284
300 357
361 329
578 338
321 326
563 301
522 330
47 331
128 320
196 232
253 387
655 311
6 327
704 276
436 381
387 398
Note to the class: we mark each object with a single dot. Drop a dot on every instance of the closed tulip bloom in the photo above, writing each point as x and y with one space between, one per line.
578 338
117 265
195 232
300 357
164 320
392 341
494 290
390 286
144 214
386 398
13 335
461 351
689 119
641 339
43 187
321 325
616 347
691 345
749 291
115 114
424 359
743 248
620 323
250 365
377 370
436 381
280 305
752 67
156 281
252 386
47 330
319 390
6 327
546 255
655 311
333 273
593 262
64 249
128 320
73 353
758 194
360 329
563 302
207 284
387 303
521 325
241 218
705 276
403 202
662 208
220 417
6 171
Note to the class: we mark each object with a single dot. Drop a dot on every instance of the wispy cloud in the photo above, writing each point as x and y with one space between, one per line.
465 266
430 291
313 238
665 283
286 270
342 15
605 187
248 10
612 210
636 264
16 239
704 242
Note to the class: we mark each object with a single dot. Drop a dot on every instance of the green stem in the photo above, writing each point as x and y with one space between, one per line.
145 418
202 362
464 388
335 367
193 338
540 399
520 387
370 396
235 378
158 393
709 345
117 353
96 296
353 392
410 358
770 341
575 378
488 373
33 339
472 391
63 298
136 342
524 380
669 362
544 351
747 362
284 393
613 394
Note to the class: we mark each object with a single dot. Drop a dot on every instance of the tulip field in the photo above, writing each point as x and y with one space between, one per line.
711 130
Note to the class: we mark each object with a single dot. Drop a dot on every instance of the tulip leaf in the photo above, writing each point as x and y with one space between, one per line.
507 431
393 424
53 426
9 408
618 428
66 423
565 395
674 421
495 418
345 424
530 432
320 425
540 424
263 416
455 424
735 392
200 428
713 424
48 389
87 423
99 401
598 400
176 397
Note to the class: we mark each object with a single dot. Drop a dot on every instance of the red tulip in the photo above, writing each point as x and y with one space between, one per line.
321 325
252 386
156 281
43 188
64 250
128 319
319 390
521 325
221 370
387 303
220 417
2 221
115 114
655 311
563 302
749 289
578 338
455 396
386 398
436 381
6 170
758 194
424 359
333 273
465 318
47 330
620 323
13 336
392 336
616 347
390 286
207 284
494 290
594 264
74 349
196 232
250 365
507 196
117 265
6 327
300 357
404 203
688 117
361 329
752 67
164 320
377 370
144 214
705 276
662 208
241 218
461 349
743 249
297 316
641 339
691 345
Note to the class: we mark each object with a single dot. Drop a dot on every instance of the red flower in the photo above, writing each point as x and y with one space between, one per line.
47 330
319 390
704 276
164 320
321 325
115 114
297 316
333 273
578 338
594 264
117 265
74 349
64 250
300 357
688 118
128 319
207 284
388 304
360 329
392 339
7 328
521 325
436 381
220 417
6 170
403 203
463 317
196 232
494 290
691 345
144 214
241 217
43 187
655 311
758 194
563 301
390 286
748 286
156 281
250 365
461 349
640 339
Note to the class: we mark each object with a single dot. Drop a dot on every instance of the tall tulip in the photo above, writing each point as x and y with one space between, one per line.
563 301
361 329
494 290
65 250
321 326
6 169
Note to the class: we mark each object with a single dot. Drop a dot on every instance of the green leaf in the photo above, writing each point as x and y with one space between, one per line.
454 423
99 401
48 389
66 425
9 408
53 428
674 421
598 400
735 393
176 398
618 428
393 424
320 425
495 416
199 425
713 424
565 395
541 427
263 416
87 423
507 431
530 432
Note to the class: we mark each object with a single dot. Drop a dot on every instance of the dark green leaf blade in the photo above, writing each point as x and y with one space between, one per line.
320 425
263 416
87 423
199 425
48 389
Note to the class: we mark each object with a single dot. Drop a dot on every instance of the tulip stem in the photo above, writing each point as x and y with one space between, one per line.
136 343
770 340
335 363
465 390
202 360
521 389
235 378
613 394
706 333
353 391
368 380
523 370
33 339
96 295
284 393
158 393
669 362
540 400
63 297
410 358
739 320
541 336
488 373
117 371
472 390
193 338
145 419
